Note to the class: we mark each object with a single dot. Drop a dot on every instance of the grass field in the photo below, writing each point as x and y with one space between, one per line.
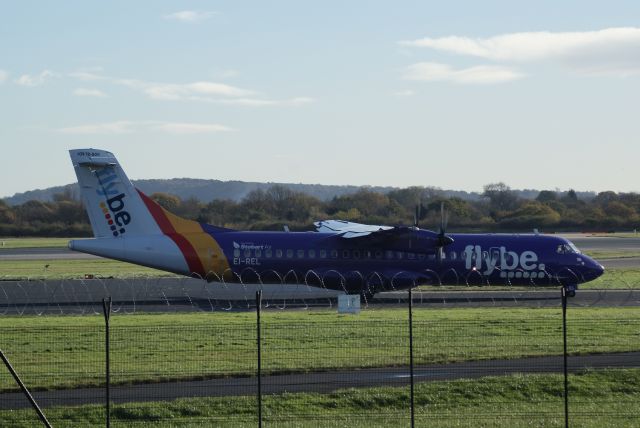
67 351
70 269
34 242
598 399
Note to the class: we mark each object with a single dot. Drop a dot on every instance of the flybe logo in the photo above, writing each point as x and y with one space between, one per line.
500 258
113 207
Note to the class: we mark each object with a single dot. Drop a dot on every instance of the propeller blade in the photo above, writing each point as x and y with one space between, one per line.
443 240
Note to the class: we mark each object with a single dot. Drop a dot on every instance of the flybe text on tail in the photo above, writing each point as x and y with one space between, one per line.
113 206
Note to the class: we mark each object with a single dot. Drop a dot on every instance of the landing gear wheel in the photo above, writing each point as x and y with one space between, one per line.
571 290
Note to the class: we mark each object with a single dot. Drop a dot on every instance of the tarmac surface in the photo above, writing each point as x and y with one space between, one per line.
319 381
186 294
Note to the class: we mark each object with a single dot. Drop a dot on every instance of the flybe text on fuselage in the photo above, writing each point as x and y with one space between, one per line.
500 258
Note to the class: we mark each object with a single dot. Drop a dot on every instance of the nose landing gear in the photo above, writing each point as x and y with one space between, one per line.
570 290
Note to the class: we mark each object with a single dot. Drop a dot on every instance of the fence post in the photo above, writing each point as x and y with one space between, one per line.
413 421
25 391
106 309
259 348
565 359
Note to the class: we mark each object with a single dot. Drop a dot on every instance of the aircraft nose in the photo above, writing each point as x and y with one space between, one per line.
594 270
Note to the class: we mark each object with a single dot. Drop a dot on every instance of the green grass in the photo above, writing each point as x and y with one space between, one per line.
67 351
616 235
625 278
34 242
606 398
73 268
606 254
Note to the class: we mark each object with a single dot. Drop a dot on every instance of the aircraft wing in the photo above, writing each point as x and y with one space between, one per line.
349 230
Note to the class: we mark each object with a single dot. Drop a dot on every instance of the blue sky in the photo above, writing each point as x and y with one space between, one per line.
450 94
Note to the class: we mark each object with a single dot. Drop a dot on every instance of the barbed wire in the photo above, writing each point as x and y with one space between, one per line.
236 291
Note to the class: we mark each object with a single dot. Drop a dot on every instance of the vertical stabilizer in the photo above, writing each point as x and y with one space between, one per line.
114 206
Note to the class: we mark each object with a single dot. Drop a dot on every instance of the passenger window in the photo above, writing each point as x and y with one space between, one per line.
334 254
236 253
388 254
356 254
258 253
431 256
279 254
289 254
378 254
453 255
247 253
411 256
345 254
323 254
400 255
421 256
312 254
300 254
268 253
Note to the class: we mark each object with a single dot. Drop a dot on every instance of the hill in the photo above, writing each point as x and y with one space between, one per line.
208 190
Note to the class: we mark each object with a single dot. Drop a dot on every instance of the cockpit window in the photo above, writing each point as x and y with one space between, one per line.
568 248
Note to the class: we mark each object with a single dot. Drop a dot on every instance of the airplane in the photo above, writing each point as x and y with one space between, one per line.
355 258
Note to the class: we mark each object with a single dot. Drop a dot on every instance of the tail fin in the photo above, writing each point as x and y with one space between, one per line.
114 206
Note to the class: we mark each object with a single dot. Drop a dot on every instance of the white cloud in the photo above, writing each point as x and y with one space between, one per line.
190 128
88 75
126 127
34 80
203 91
404 93
190 15
119 127
607 51
194 91
4 75
260 102
481 74
83 92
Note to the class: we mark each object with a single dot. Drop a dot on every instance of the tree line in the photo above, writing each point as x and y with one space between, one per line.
500 209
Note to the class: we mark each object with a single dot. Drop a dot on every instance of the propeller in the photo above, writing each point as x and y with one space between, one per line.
443 240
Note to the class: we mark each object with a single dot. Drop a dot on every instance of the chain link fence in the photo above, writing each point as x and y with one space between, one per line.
185 360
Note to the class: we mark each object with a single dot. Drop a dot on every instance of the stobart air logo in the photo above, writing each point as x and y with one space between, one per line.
113 207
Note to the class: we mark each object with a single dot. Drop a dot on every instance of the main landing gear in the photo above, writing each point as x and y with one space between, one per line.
570 290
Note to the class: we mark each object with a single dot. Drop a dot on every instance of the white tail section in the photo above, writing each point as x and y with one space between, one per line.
114 206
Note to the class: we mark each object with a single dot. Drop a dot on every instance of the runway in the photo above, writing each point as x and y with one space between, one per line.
320 381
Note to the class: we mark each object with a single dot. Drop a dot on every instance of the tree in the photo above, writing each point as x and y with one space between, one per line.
501 197
546 196
167 201
32 211
532 214
7 216
605 198
620 210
